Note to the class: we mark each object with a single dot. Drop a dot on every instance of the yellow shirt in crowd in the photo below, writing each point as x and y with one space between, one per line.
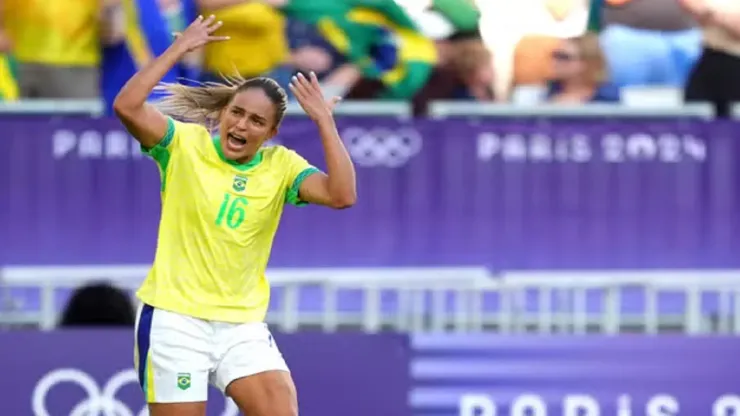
257 43
54 32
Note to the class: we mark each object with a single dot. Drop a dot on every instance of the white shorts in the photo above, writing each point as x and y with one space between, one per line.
177 356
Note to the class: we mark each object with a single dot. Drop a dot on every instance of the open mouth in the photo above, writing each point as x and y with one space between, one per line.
236 142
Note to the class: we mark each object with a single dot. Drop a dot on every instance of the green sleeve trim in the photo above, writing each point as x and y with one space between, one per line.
160 152
292 195
165 141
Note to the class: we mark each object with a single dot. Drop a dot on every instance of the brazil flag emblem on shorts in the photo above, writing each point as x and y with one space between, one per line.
183 381
240 182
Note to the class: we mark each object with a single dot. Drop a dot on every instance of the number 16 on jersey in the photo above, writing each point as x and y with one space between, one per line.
232 210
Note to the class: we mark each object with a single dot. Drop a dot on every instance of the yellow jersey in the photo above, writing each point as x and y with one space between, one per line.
217 225
54 32
258 43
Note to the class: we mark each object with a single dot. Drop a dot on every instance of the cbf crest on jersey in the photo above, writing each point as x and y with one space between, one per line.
183 381
240 183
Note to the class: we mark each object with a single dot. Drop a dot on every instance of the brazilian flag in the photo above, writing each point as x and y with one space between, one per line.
8 78
377 36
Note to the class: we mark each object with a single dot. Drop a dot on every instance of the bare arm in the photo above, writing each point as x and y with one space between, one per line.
727 19
337 188
343 77
147 124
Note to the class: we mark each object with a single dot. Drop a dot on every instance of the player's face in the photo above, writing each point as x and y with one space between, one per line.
246 123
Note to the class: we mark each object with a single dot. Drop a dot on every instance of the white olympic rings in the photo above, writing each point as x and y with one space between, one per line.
99 402
382 146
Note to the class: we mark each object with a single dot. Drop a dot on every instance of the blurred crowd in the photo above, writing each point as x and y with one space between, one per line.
525 51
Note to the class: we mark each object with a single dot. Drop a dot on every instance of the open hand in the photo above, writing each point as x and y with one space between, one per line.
199 33
308 93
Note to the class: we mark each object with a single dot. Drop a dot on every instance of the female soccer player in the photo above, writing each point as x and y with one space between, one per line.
205 298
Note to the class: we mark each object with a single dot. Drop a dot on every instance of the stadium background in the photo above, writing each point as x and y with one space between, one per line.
510 254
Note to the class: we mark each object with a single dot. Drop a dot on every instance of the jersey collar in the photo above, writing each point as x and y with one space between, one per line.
241 166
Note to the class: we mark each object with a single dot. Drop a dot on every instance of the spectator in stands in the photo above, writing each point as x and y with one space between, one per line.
260 45
149 27
648 42
98 305
311 51
580 73
380 42
464 72
257 46
715 78
522 35
465 65
378 39
57 46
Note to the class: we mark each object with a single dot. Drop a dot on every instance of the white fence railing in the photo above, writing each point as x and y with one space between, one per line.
441 299
437 109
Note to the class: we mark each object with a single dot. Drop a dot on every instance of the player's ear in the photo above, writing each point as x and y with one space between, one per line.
273 132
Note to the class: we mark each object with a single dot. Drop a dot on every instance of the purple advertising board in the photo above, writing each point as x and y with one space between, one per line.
76 373
504 193
490 375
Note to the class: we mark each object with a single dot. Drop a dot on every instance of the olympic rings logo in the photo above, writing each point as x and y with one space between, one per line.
99 402
381 146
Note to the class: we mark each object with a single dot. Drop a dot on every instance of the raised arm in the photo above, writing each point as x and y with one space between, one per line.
729 18
147 124
337 188
726 16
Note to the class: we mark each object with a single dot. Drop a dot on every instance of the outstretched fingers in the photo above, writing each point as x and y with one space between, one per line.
211 25
314 80
301 85
298 90
308 84
218 38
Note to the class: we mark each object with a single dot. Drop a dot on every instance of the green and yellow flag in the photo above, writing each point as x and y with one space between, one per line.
8 78
376 35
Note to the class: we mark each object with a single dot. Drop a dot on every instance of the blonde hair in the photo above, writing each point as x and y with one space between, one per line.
203 102
590 51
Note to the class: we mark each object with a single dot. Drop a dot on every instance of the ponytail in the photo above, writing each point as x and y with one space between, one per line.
200 103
